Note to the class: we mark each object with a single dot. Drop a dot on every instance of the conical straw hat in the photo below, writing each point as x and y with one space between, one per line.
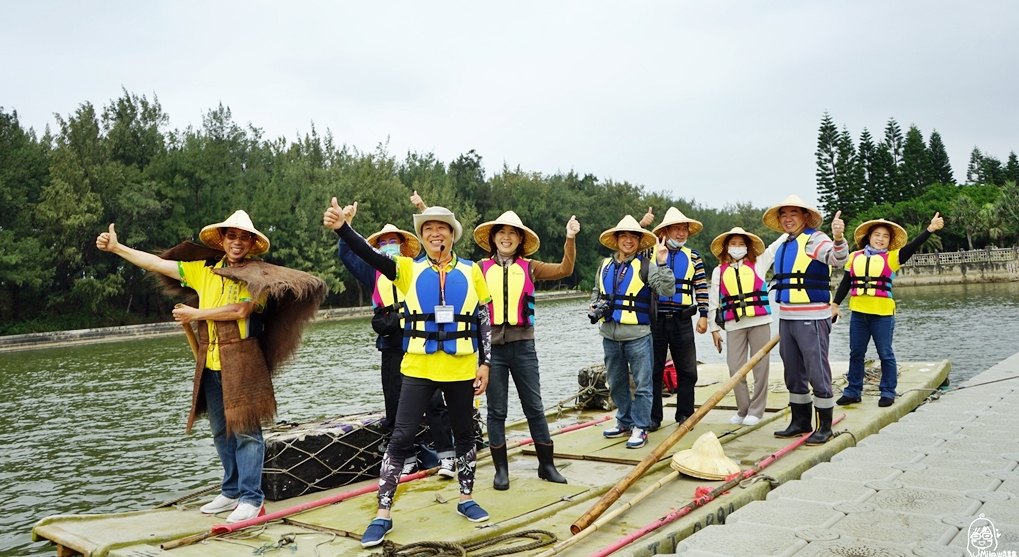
718 245
628 224
483 233
212 235
862 234
705 460
770 218
410 247
674 216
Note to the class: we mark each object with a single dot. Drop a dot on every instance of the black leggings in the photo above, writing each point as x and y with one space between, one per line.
415 396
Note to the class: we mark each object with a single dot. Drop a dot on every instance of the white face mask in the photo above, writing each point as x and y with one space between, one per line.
674 244
737 253
390 249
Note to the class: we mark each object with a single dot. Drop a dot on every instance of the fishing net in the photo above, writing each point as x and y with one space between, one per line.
312 457
594 389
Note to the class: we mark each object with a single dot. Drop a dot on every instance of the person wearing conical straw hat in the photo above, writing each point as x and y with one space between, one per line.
508 270
673 329
868 281
738 304
802 288
234 386
447 340
387 303
623 300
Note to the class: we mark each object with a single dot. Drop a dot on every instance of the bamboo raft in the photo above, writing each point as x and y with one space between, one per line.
425 506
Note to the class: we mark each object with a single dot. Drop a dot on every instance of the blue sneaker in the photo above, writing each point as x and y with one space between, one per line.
376 532
616 432
472 511
638 438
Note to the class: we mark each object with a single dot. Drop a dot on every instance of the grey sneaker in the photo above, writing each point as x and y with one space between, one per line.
447 467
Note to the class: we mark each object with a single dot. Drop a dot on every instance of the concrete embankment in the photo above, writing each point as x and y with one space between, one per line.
149 330
962 267
942 481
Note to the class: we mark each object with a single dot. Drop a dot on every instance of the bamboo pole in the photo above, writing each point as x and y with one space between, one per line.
704 499
640 468
189 332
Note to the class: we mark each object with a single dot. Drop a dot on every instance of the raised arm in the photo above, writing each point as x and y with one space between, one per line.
907 251
335 219
107 241
551 271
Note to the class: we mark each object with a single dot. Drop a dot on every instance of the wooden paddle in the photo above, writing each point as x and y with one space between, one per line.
641 467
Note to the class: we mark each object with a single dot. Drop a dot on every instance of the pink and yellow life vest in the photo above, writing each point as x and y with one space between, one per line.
870 276
741 293
512 292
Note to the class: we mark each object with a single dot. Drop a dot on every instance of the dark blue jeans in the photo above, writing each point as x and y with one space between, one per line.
241 454
863 327
520 360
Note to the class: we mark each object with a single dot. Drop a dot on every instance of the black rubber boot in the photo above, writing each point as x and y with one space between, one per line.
546 468
501 481
800 422
823 433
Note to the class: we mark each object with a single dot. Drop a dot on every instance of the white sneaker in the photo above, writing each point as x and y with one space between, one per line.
219 504
447 467
409 467
751 420
638 438
736 420
244 511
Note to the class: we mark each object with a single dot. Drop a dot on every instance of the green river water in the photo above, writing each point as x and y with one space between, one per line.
100 428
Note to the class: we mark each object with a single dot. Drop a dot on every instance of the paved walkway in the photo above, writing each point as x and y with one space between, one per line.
942 481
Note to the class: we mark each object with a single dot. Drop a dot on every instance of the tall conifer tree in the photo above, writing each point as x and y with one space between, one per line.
827 157
870 174
891 182
941 168
916 164
1012 168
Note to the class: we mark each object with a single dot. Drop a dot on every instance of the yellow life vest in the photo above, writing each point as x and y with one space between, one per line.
422 335
799 278
625 287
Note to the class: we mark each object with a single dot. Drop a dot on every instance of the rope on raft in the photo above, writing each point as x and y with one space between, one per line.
451 549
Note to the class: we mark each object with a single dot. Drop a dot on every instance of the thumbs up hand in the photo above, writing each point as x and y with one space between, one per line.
417 201
107 241
838 227
334 216
937 223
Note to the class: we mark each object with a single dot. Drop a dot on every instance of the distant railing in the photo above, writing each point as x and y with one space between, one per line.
955 257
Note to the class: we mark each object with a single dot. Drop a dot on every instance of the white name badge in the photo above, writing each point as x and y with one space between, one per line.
443 314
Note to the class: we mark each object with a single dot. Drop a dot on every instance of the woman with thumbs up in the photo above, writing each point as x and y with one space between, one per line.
868 281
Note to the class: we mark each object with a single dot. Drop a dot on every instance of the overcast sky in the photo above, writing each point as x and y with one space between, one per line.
715 101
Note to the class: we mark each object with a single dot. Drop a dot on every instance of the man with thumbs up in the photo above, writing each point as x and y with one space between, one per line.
803 258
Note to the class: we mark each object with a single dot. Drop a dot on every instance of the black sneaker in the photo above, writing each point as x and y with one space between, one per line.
655 426
844 400
885 401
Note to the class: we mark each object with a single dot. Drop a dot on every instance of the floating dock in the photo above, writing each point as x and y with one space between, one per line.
425 508
942 481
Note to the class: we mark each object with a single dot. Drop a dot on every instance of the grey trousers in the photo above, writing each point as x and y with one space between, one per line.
804 350
742 345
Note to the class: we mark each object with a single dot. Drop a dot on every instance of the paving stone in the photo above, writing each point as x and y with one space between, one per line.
968 461
747 540
784 513
846 470
954 480
878 454
1008 539
1011 487
853 548
889 439
974 445
821 489
896 527
1001 512
927 501
931 549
